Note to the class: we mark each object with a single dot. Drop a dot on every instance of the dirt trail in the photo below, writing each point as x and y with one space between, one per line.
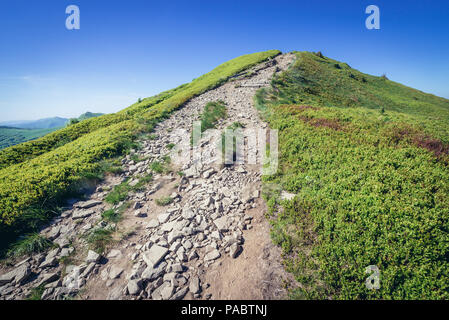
211 242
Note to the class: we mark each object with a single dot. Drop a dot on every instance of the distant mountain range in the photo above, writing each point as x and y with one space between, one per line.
46 123
15 132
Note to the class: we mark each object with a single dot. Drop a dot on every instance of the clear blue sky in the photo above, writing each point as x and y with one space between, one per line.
130 49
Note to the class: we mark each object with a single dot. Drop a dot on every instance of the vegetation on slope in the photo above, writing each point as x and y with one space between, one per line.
37 175
368 160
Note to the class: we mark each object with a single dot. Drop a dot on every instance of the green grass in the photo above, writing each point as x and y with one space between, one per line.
36 293
111 215
115 215
121 192
157 167
30 244
213 111
164 201
170 146
100 239
13 136
368 160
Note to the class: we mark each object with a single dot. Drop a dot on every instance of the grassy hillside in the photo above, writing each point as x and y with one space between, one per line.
368 161
35 176
12 136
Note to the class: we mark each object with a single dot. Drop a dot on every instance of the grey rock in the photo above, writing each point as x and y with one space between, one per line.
234 250
137 205
114 253
194 285
213 255
81 214
87 204
16 276
54 233
65 252
115 272
88 270
62 242
157 293
49 262
153 223
48 278
154 255
188 214
163 217
167 292
222 223
140 214
134 287
92 256
180 294
177 267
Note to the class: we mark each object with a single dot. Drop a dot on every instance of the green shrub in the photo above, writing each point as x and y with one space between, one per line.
213 111
36 293
100 239
111 215
157 167
32 243
165 201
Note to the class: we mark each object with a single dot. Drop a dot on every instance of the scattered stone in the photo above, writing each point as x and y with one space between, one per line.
92 256
49 262
153 256
115 272
140 214
16 276
153 223
222 223
137 205
134 287
234 250
194 285
48 278
82 214
87 204
167 292
114 253
213 255
180 294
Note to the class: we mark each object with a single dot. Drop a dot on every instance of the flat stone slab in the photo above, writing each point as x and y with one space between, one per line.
222 223
153 256
88 204
212 255
80 214
92 256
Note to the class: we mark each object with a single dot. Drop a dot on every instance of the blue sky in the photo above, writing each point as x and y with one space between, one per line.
130 49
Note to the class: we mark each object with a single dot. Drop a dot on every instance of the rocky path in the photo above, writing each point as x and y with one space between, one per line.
211 242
